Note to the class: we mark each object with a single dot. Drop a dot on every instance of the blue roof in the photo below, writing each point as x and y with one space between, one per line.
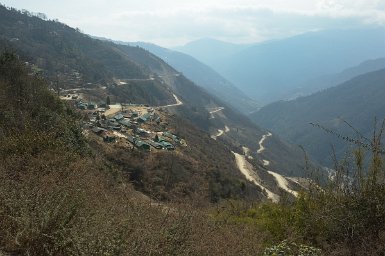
125 122
118 116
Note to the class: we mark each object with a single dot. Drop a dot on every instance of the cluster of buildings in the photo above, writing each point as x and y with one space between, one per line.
134 127
85 105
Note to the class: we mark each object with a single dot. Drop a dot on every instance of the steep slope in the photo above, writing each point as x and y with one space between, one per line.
327 81
156 84
58 186
357 101
203 76
198 174
270 71
212 115
73 59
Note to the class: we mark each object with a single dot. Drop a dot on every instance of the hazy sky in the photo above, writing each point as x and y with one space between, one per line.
175 22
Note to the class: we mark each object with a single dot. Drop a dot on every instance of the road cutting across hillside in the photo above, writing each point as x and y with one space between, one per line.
283 183
247 170
220 132
178 103
261 147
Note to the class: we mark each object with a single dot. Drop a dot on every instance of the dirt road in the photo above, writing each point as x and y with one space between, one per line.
247 170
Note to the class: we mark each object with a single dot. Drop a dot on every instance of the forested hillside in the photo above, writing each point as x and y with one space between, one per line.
72 59
279 69
158 166
203 76
65 194
358 102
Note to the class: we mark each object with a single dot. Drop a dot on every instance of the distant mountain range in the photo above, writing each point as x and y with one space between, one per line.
284 69
327 81
204 76
211 51
358 102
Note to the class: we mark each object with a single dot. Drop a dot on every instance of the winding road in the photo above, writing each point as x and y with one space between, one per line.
281 180
283 183
220 132
215 110
261 147
247 170
178 103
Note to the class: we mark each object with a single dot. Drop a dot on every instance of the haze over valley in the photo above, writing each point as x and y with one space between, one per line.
192 128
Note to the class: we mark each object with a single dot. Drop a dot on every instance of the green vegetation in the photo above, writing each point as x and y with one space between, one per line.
357 101
61 197
344 217
57 48
72 59
203 76
63 193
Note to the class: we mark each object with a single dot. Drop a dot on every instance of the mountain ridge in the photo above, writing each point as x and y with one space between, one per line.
329 108
270 71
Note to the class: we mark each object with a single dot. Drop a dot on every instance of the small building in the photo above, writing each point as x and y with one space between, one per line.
99 130
127 115
92 105
116 128
118 117
144 118
159 138
126 123
131 139
82 105
171 136
139 143
167 145
141 120
112 122
142 145
142 132
155 144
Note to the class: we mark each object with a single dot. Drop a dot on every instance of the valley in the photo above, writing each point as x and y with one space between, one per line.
271 144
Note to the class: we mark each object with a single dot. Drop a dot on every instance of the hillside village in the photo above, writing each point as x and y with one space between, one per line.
139 126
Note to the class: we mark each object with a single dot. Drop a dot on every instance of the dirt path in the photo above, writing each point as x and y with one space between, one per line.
216 110
266 162
120 135
113 109
215 136
220 132
178 103
246 152
247 170
282 183
261 147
